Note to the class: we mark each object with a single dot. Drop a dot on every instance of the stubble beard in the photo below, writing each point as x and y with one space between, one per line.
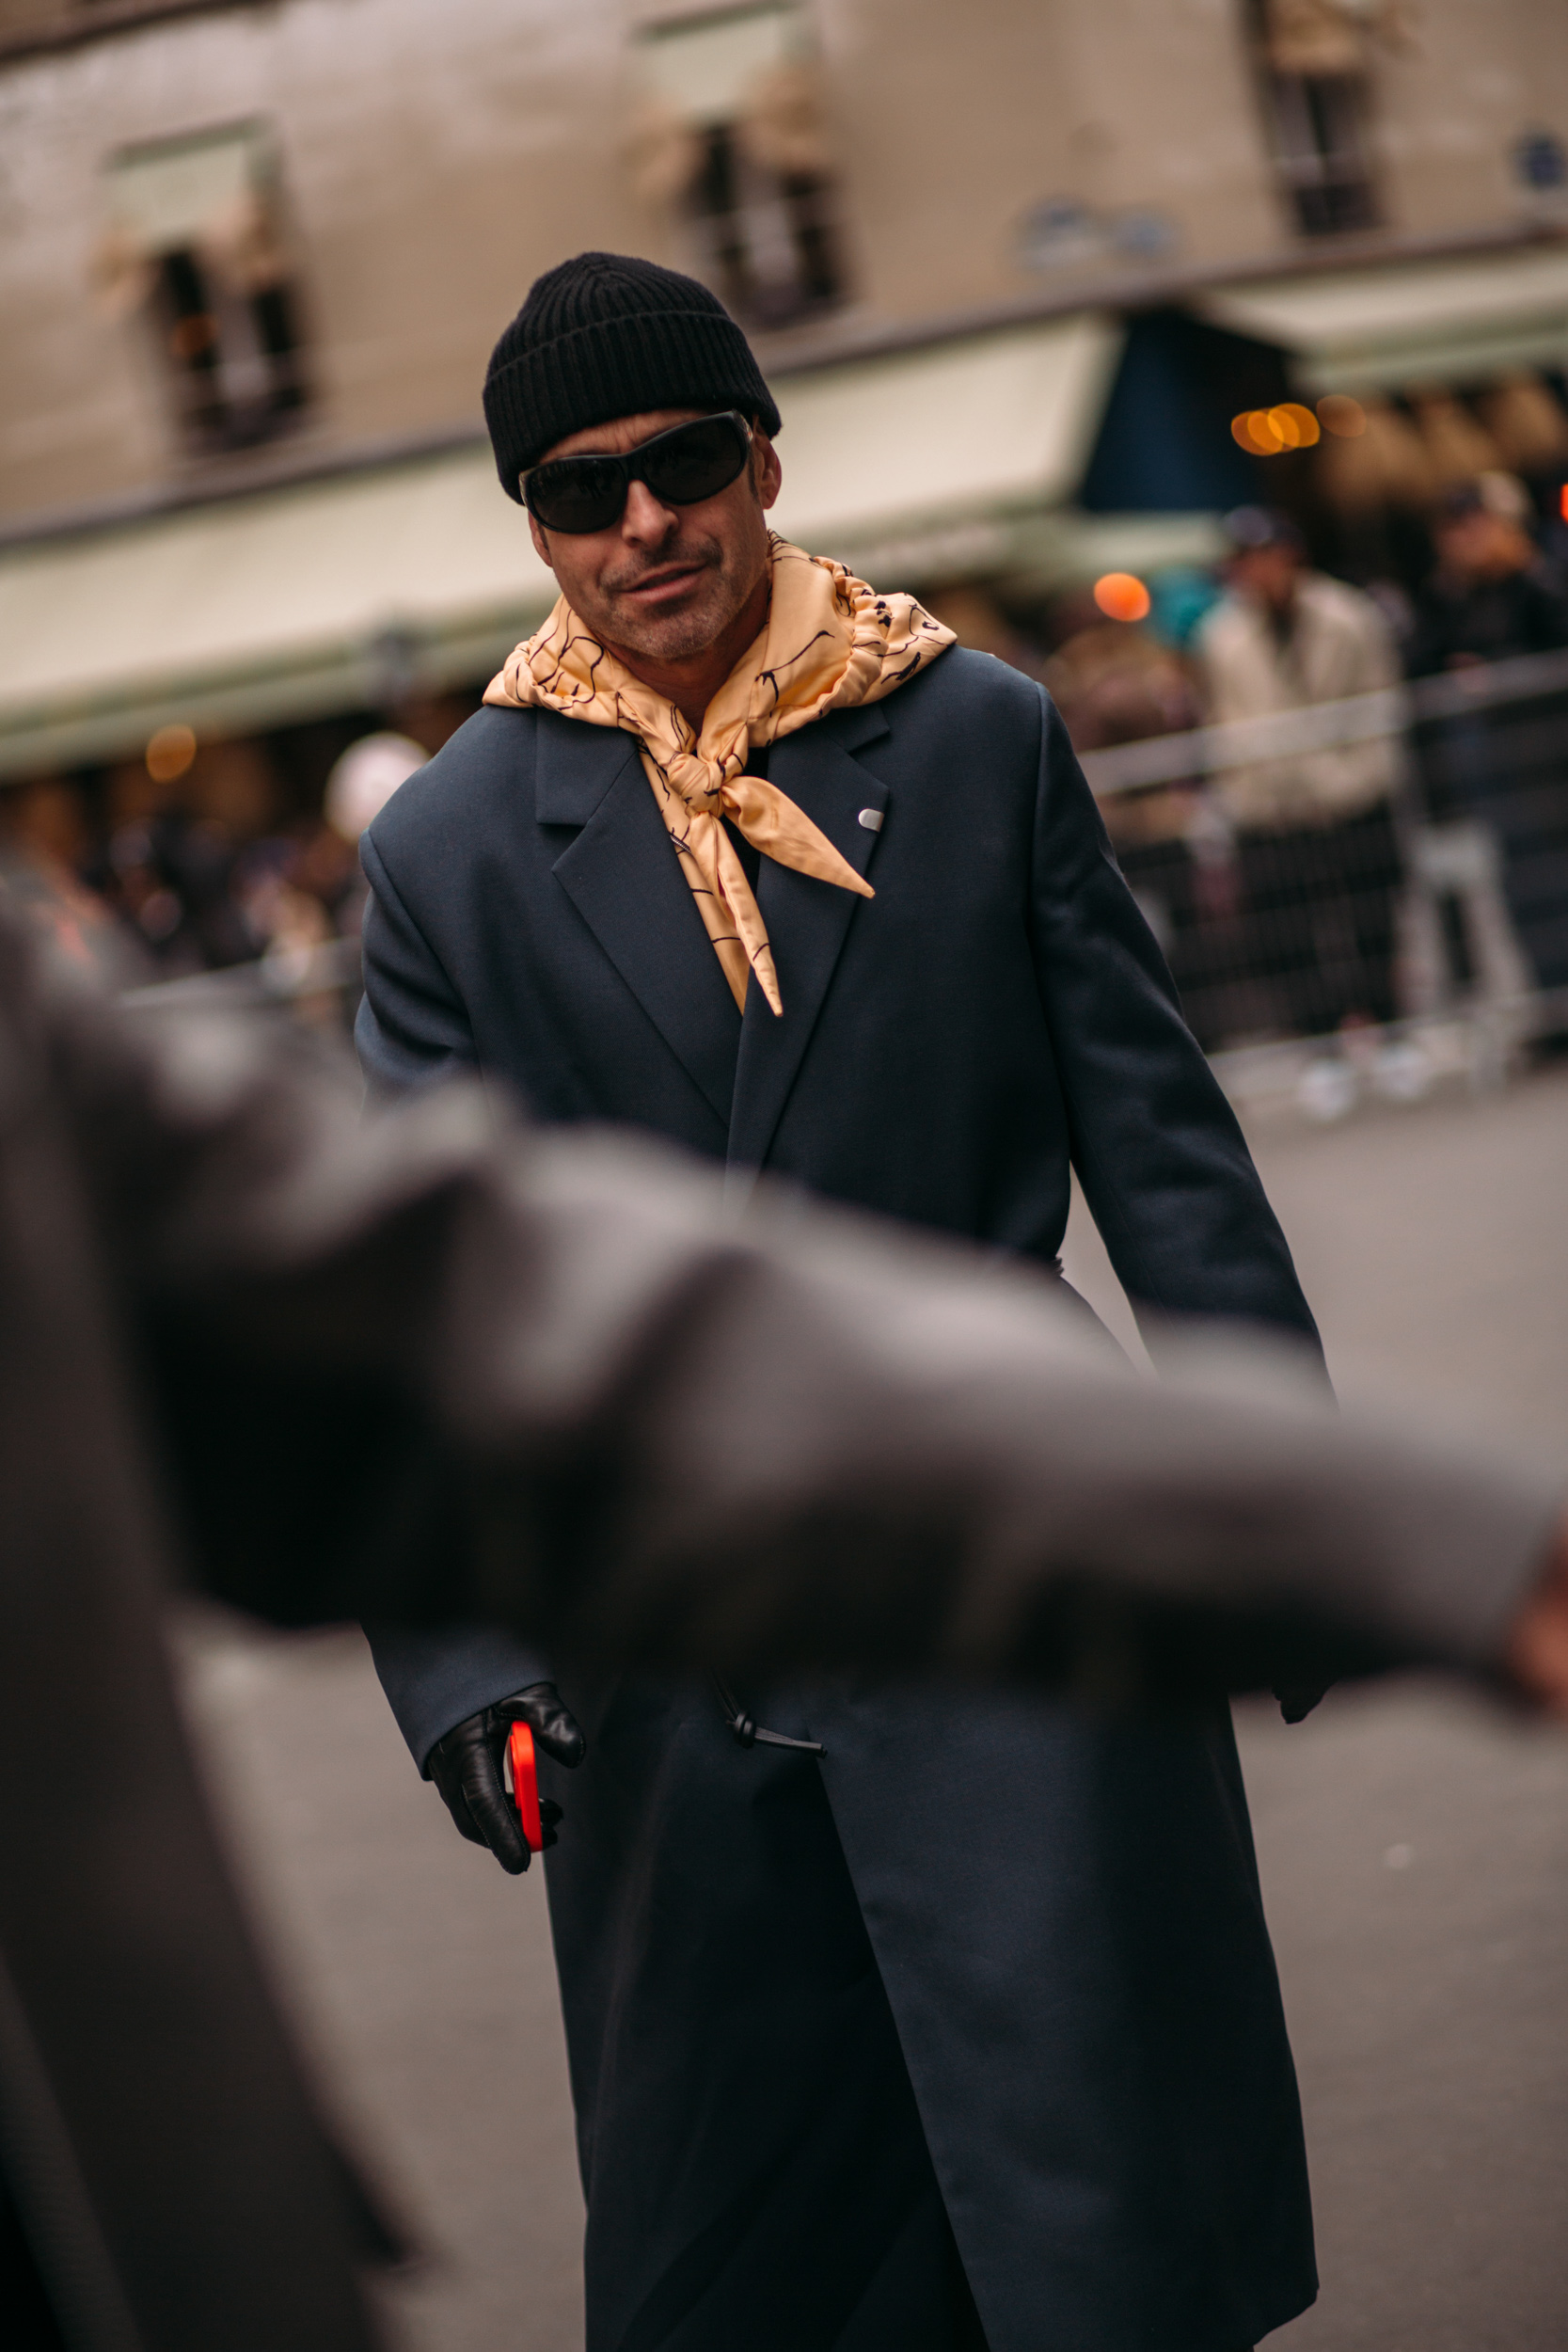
695 624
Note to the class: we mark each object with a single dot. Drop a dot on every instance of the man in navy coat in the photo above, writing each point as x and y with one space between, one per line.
910 2019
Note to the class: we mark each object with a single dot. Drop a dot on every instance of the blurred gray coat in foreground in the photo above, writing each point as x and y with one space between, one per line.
426 1371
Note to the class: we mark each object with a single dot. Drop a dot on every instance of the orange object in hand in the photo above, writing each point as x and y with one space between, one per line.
524 1780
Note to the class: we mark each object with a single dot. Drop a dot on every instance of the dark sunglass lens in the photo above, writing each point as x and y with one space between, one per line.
695 461
578 493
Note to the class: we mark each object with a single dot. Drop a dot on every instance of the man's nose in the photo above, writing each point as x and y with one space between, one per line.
645 522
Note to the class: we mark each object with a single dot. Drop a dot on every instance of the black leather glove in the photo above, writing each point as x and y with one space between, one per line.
465 1767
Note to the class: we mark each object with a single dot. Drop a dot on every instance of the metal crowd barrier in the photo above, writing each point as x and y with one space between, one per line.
1422 940
1419 938
324 977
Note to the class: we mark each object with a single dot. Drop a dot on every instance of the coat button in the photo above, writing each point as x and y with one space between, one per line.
872 819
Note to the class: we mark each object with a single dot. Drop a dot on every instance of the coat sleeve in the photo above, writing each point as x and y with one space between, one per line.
439 1678
446 1374
1158 1150
411 1029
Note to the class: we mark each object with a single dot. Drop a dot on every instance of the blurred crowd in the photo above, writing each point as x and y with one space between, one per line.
1333 884
1367 870
202 856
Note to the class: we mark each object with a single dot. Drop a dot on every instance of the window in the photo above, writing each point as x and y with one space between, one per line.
196 244
730 137
1314 62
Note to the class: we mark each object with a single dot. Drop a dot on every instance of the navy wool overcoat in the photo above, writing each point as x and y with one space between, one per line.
974 2025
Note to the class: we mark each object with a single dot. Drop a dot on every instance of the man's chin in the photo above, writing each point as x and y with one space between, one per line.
671 636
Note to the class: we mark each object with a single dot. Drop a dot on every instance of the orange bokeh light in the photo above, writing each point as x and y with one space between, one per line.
169 752
1122 597
1268 432
1297 427
1563 502
1338 413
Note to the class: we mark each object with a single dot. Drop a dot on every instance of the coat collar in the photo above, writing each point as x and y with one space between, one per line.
626 885
576 766
629 890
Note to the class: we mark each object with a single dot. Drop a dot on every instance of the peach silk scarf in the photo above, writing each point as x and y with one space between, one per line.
829 643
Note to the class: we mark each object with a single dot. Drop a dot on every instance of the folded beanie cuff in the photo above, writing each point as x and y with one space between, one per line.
619 365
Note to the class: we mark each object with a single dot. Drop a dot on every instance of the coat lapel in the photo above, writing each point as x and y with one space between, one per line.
806 919
625 882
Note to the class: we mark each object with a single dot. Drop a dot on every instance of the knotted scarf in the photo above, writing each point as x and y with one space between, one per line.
829 642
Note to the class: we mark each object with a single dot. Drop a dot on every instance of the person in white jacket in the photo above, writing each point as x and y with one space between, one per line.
1315 828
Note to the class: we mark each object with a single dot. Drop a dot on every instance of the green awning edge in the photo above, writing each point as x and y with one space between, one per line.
319 683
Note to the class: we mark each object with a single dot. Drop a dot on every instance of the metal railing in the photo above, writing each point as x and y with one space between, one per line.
282 977
1423 938
1445 901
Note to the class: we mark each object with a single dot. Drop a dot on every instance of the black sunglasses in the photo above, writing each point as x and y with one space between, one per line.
681 467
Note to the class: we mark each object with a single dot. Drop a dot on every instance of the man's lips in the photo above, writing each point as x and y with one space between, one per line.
671 581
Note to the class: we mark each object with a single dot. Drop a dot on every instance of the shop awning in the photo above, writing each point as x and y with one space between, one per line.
919 465
291 603
259 610
1450 323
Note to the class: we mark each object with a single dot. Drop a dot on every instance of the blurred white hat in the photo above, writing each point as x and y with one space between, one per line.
365 778
1505 495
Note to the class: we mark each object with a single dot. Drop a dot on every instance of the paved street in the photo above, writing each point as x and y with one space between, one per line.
1413 1846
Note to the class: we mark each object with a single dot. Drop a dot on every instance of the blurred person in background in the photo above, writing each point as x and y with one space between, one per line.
1118 682
1492 593
301 888
1114 682
362 780
245 1344
168 860
747 853
1316 835
1494 597
45 847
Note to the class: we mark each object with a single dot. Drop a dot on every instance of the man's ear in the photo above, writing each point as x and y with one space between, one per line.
768 475
541 537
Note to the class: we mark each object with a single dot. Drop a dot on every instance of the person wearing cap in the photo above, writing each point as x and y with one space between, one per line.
1493 596
1492 593
1316 840
894 2015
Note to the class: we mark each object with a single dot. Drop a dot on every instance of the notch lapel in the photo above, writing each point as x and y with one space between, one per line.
807 919
625 882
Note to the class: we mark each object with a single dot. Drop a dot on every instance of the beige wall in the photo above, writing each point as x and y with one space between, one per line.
433 161
1475 74
435 157
971 117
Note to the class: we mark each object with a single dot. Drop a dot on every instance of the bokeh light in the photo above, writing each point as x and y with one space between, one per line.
1268 432
1338 413
1254 433
1563 502
169 752
1296 426
1122 597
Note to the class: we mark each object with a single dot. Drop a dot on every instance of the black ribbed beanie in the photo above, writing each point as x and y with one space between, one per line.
604 336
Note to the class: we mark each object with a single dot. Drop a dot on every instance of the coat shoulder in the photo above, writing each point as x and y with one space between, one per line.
491 755
974 694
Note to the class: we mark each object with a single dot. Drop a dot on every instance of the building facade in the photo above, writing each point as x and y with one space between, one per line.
410 170
253 254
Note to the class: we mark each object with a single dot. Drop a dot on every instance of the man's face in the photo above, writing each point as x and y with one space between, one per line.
1479 545
1269 574
1463 543
664 581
